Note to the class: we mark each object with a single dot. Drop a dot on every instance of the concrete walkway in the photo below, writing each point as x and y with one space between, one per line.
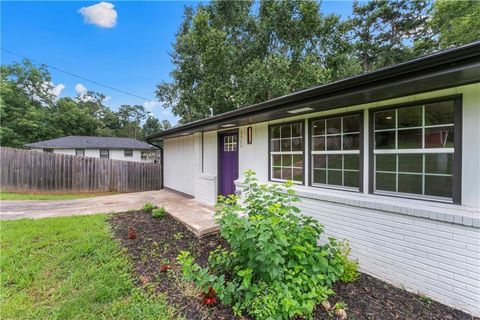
195 215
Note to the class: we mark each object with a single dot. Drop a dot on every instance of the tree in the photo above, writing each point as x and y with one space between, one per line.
69 119
226 56
384 31
152 125
130 118
456 22
25 104
30 112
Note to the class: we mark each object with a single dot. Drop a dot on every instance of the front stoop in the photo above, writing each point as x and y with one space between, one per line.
196 216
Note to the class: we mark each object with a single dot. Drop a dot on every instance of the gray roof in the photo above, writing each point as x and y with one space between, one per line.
86 142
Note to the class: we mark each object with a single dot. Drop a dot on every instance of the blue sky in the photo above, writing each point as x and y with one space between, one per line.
128 52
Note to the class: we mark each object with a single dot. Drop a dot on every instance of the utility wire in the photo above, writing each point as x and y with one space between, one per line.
76 75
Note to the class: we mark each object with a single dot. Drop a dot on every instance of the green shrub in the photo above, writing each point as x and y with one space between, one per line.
148 207
275 267
350 267
159 212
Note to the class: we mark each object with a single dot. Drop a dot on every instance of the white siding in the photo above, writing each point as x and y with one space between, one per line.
393 239
120 155
206 175
179 164
65 151
94 153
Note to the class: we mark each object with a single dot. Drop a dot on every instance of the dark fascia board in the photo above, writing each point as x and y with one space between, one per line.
464 60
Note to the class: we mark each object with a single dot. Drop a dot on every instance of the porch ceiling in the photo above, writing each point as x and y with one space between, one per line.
445 69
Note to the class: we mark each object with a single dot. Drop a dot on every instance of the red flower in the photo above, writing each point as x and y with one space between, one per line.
165 268
132 234
209 297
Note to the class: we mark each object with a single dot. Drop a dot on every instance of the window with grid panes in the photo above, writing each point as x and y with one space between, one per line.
414 150
335 152
286 152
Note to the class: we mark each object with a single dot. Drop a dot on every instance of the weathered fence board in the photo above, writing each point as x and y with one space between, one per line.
25 170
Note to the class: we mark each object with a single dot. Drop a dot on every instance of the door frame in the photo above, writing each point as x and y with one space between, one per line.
219 158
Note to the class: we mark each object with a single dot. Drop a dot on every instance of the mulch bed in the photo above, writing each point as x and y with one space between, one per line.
159 241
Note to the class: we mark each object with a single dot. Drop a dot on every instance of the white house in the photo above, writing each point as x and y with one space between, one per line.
389 160
99 147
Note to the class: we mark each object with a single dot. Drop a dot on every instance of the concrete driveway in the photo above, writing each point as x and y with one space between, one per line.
197 216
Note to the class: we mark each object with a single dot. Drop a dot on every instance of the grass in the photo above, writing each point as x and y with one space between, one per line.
5 195
69 268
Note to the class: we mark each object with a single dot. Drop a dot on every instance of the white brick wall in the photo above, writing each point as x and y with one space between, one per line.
431 257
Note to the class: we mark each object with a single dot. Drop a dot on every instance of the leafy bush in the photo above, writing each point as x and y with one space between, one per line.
159 212
350 267
275 267
148 207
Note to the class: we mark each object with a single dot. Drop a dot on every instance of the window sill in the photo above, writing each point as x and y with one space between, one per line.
438 211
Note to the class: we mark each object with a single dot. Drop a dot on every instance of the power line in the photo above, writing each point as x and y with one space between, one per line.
77 76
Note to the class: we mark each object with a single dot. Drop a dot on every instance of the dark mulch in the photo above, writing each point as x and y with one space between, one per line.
159 242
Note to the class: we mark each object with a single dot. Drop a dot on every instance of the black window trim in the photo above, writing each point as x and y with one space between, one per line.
125 153
360 155
302 123
83 152
457 154
108 153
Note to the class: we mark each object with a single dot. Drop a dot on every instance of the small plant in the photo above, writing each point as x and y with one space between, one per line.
209 298
148 207
132 233
425 299
159 212
178 236
350 267
165 268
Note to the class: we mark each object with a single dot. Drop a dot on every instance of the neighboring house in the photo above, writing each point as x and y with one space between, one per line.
100 147
389 160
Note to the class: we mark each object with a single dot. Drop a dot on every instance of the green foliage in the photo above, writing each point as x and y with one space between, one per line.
148 207
386 31
350 267
158 212
227 56
70 268
456 22
30 112
275 266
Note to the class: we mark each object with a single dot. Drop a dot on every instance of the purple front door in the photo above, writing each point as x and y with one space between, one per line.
228 162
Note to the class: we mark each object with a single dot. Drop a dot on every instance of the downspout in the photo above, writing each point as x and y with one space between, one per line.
161 158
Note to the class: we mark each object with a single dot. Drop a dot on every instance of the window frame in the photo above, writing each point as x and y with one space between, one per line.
457 152
361 147
48 150
108 153
82 154
302 123
125 153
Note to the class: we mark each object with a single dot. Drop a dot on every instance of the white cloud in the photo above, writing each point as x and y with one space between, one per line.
150 105
101 14
57 90
81 90
107 98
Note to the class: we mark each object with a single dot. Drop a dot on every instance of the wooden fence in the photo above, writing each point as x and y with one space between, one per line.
25 170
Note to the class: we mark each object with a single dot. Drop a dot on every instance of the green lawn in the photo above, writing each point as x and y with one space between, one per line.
4 195
69 268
